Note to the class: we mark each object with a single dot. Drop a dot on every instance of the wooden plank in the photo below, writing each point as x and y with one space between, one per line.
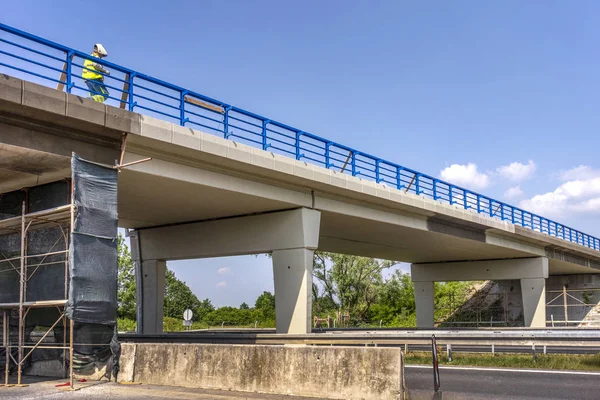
45 303
202 104
346 163
125 93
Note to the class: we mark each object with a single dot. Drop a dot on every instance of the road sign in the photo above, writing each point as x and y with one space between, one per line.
187 315
187 323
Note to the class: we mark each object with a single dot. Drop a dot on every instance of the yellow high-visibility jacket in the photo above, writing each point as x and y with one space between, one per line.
89 72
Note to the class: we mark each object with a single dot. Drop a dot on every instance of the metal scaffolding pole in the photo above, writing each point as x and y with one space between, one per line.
21 296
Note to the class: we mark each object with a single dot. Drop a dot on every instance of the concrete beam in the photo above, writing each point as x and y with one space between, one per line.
257 234
495 270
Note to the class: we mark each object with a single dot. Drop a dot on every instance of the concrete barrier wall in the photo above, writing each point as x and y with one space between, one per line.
326 372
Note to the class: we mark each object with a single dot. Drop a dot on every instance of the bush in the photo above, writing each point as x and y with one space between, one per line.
233 316
126 325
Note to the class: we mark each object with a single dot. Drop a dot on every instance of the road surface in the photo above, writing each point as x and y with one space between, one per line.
44 389
502 384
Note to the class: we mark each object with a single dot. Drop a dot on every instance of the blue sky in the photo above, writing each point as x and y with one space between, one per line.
499 96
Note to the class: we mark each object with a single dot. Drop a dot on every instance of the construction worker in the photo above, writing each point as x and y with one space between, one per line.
93 79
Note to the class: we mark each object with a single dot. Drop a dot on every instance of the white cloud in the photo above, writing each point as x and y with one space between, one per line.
222 284
582 172
513 192
516 171
466 176
574 196
224 271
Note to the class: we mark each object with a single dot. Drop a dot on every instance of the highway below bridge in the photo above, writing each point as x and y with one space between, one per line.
466 383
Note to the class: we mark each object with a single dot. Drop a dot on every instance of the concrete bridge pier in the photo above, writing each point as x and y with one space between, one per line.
291 236
532 273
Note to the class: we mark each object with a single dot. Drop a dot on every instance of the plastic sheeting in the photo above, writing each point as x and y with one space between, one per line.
93 249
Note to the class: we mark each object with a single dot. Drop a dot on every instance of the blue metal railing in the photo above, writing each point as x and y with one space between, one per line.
49 62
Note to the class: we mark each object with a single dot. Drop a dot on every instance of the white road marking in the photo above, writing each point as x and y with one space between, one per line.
538 371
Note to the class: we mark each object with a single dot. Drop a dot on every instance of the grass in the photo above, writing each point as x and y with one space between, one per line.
586 362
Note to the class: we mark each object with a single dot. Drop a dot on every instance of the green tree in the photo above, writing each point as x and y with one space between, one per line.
352 283
205 307
126 288
265 303
179 297
244 306
396 303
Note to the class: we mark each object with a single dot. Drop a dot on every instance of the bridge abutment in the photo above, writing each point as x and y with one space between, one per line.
532 273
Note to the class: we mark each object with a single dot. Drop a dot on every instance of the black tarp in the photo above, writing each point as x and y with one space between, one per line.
93 249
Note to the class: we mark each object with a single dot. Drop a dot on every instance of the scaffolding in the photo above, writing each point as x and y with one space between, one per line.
59 217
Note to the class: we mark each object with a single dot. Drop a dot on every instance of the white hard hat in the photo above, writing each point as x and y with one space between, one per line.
100 49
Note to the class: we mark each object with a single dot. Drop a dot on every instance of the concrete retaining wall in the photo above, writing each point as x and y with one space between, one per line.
326 372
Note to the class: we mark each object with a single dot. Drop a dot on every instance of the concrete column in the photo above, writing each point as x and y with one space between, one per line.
292 270
424 304
153 295
534 302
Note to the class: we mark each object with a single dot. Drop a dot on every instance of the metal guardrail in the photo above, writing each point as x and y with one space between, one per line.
53 63
522 341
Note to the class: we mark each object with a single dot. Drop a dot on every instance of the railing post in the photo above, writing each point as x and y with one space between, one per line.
298 155
531 221
226 122
182 119
353 163
131 102
502 211
417 185
490 202
512 215
377 177
465 205
327 154
435 197
398 178
450 187
265 145
69 71
478 204
65 76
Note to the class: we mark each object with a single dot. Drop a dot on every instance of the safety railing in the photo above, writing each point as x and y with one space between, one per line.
49 63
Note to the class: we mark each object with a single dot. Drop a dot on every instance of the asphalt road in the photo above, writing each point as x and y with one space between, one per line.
502 384
44 389
462 383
